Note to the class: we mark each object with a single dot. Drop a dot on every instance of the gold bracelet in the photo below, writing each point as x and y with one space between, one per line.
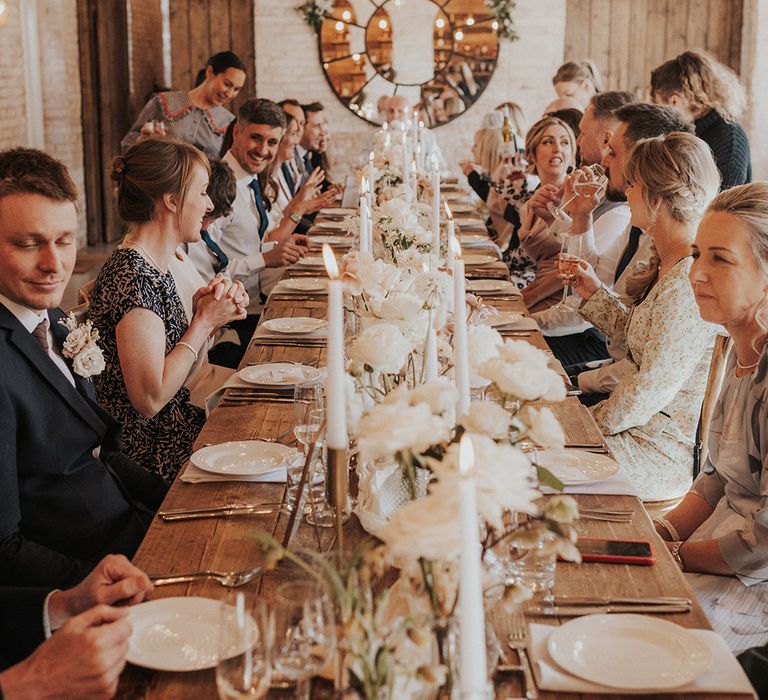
675 551
188 347
669 527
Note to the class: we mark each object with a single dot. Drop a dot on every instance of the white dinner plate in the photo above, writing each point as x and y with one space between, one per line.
465 238
331 240
629 652
479 259
331 225
502 318
297 326
176 634
241 458
305 284
491 286
338 211
576 467
312 261
278 374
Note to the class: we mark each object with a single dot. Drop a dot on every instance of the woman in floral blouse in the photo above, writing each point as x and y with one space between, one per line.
650 418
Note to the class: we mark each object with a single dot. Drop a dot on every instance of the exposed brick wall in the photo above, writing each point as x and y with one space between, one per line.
13 129
291 67
60 77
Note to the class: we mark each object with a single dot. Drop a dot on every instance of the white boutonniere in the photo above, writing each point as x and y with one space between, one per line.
80 346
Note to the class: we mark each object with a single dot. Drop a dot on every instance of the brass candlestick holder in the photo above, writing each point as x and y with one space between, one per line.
337 485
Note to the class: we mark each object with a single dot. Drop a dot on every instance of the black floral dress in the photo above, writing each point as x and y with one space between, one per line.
127 281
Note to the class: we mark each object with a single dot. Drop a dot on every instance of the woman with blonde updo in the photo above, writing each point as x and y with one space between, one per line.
719 532
649 420
710 95
149 346
578 80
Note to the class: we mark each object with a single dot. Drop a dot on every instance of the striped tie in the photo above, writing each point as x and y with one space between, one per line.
40 334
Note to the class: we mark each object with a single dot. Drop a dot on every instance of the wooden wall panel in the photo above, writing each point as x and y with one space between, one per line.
627 39
200 28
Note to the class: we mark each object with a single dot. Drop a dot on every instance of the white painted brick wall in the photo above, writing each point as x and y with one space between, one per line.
60 71
288 65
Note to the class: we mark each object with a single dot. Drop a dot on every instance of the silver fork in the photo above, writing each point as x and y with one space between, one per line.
228 579
518 640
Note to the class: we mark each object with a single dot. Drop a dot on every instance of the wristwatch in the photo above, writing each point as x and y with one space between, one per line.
296 218
676 554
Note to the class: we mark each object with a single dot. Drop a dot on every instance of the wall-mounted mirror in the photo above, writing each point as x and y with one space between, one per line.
438 54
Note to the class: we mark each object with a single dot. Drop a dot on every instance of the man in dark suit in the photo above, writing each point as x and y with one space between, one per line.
67 494
71 643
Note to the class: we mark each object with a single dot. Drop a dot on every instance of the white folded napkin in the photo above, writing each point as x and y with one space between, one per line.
724 674
526 323
193 475
284 287
617 485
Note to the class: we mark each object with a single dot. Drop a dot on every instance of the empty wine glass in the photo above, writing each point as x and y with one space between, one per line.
305 633
588 181
244 665
568 263
306 397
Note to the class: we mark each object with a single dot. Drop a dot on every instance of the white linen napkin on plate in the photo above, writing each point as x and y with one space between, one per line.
262 332
724 675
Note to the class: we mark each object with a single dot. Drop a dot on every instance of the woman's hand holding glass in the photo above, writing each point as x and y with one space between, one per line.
583 279
543 200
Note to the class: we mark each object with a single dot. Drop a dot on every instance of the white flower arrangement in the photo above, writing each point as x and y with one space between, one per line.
81 347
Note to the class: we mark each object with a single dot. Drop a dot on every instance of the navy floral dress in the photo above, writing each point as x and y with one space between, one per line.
127 281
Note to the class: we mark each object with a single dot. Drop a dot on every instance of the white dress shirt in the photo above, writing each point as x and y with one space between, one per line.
238 236
30 320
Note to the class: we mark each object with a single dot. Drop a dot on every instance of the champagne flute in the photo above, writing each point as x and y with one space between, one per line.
305 633
568 264
244 665
589 181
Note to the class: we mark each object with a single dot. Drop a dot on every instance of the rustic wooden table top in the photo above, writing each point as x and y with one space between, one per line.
228 544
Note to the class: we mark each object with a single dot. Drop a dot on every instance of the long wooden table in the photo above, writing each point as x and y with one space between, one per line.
228 543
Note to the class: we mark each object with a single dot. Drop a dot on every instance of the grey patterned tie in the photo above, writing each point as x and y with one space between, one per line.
40 334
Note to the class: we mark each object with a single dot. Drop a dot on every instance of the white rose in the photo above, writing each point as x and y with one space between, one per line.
522 351
426 527
75 341
487 418
440 395
544 428
504 478
556 389
397 427
378 278
483 343
381 346
89 362
398 306
522 380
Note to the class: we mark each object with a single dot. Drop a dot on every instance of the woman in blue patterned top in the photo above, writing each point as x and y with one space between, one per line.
721 526
149 346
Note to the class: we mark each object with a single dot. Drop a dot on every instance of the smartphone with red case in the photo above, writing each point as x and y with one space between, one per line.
637 552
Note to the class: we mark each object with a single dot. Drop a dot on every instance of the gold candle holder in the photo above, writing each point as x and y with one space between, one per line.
337 486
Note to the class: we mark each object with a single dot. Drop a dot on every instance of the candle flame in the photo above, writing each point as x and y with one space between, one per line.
330 262
371 156
448 210
364 185
454 244
466 455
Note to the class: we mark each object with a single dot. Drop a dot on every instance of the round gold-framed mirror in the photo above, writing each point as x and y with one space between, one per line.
438 54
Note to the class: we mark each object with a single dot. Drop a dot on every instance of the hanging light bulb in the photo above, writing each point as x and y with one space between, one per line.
459 35
346 15
439 22
383 23
339 26
470 21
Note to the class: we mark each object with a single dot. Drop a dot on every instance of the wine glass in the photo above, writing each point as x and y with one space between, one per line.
307 396
568 264
305 633
244 665
589 180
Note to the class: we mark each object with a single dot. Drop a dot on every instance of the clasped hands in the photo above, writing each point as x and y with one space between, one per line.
222 289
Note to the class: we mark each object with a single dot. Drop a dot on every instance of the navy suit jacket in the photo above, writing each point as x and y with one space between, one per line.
61 508
21 623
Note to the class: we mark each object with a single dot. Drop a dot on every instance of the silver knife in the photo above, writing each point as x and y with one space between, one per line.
222 513
621 600
579 610
213 509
